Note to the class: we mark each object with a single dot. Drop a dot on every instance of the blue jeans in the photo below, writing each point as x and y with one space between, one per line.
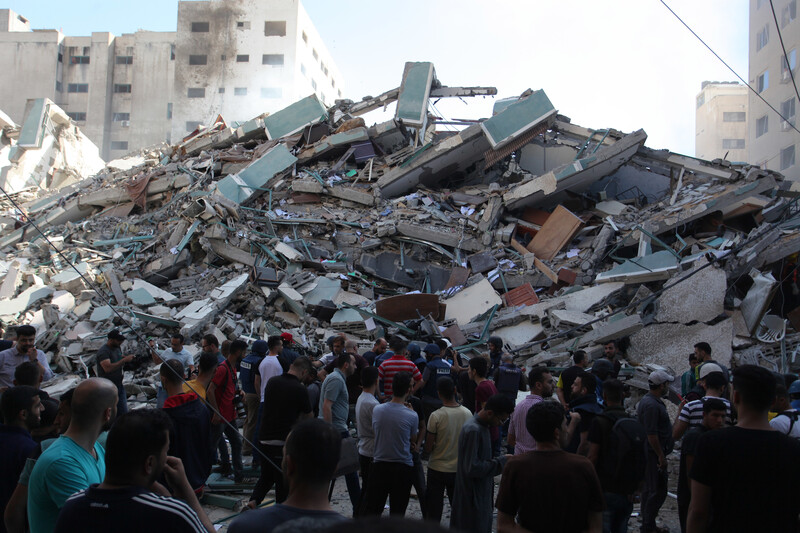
161 397
618 511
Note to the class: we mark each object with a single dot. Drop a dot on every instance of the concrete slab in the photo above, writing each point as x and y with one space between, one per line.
82 308
471 302
584 299
26 298
141 297
64 300
294 118
519 334
155 292
325 289
104 312
699 298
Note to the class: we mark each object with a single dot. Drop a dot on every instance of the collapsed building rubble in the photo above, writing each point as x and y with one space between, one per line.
523 225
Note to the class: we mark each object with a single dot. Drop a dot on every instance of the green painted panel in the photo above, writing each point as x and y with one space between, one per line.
518 118
412 102
248 183
294 118
32 132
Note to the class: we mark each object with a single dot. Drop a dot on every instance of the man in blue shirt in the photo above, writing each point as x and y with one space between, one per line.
436 368
395 424
75 460
248 369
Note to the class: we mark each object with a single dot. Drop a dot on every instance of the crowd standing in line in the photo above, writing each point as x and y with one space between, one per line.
571 454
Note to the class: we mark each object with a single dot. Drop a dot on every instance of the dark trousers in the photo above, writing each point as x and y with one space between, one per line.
418 482
392 480
618 510
235 440
122 400
654 492
365 464
270 474
438 482
351 480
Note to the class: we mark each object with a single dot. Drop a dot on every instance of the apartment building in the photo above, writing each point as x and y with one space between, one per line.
721 121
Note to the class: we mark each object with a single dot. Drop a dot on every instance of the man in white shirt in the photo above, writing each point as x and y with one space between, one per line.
786 419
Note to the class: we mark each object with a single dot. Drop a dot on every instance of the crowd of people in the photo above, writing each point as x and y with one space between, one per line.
571 457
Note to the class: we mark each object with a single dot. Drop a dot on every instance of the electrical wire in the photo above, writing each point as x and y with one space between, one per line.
785 57
729 67
140 338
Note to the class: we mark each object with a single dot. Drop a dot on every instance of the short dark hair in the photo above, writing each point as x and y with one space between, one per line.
495 341
27 373
536 375
302 363
238 346
614 390
714 404
133 438
342 359
479 365
273 341
179 337
543 419
499 404
26 331
401 384
578 357
588 381
315 446
781 391
446 388
369 376
703 346
755 385
611 342
16 399
172 371
211 339
397 344
67 396
692 357
207 362
442 344
715 380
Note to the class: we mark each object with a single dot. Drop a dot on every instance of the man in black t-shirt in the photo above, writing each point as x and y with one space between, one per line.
136 456
285 402
110 361
714 413
567 377
745 478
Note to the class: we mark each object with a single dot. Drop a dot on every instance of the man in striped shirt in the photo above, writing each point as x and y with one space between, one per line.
398 363
691 415
540 381
136 456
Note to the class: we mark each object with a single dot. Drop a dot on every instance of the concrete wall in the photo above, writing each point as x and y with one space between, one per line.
765 150
711 129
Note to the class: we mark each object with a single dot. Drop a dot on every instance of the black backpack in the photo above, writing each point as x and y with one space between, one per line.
625 456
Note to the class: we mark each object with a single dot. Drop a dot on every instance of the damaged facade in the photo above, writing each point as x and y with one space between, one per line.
308 220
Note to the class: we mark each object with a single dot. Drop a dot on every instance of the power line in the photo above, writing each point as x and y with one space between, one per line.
785 57
729 67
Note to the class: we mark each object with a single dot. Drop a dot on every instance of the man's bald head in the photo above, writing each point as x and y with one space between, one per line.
91 401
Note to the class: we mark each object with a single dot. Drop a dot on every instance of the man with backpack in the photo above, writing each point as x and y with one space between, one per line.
617 451
786 419
714 413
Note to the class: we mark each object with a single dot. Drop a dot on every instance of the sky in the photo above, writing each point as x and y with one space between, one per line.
623 64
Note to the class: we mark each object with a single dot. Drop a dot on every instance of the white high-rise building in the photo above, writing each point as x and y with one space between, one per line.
721 121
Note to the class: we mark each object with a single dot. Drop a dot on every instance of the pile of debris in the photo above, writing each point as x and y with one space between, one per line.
523 225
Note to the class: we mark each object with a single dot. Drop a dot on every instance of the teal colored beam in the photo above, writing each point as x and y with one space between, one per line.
188 236
123 240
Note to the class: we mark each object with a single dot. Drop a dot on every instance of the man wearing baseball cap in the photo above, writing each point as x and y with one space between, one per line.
110 361
652 414
713 382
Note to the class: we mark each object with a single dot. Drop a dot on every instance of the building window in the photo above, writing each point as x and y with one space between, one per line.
787 157
60 57
314 53
333 83
302 69
77 116
340 93
733 144
119 117
77 87
272 59
701 99
762 126
169 111
79 60
192 125
762 38
200 27
792 54
271 92
119 145
198 60
788 13
172 52
325 70
221 90
124 60
314 84
243 25
275 28
787 108
305 38
122 87
763 81
59 86
196 92
240 91
244 58
223 57
734 116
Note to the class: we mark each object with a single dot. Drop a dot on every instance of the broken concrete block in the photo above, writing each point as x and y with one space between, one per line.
521 333
584 299
28 297
288 252
251 182
653 267
104 312
612 329
141 297
471 302
700 298
155 292
295 117
310 186
758 298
